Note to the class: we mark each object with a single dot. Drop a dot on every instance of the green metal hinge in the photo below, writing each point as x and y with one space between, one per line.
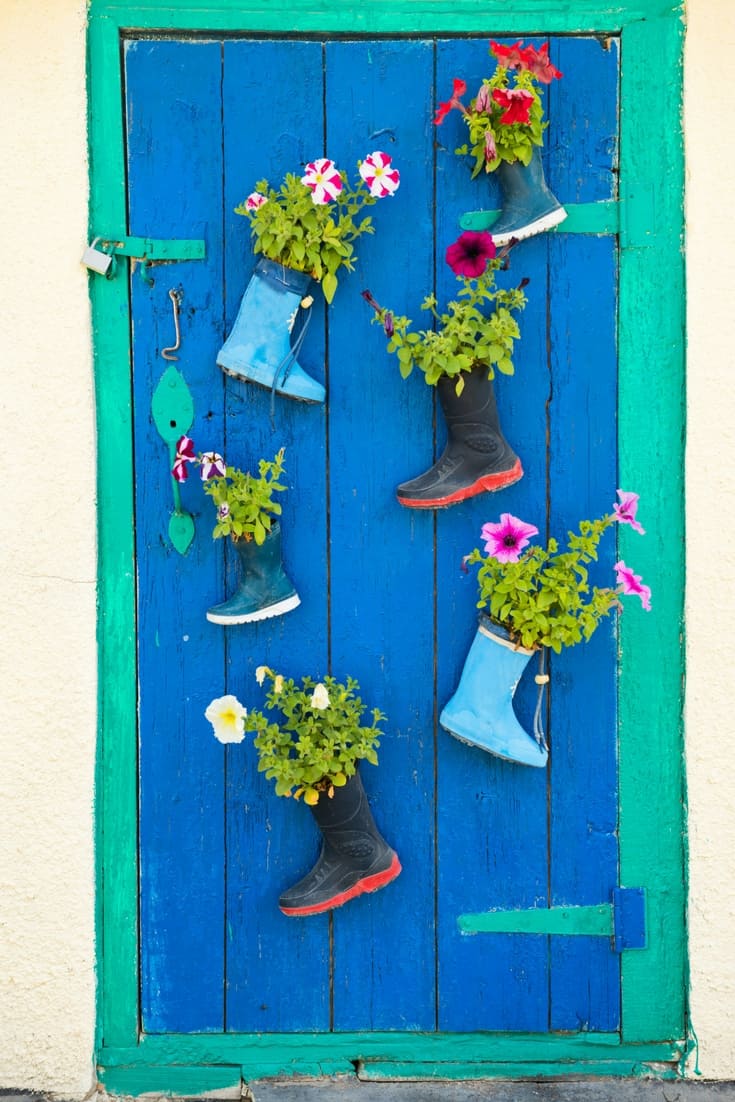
623 920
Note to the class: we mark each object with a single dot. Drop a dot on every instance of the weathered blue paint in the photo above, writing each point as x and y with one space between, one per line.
175 191
383 596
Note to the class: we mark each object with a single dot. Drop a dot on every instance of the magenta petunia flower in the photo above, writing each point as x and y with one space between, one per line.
180 471
632 584
388 324
517 103
506 540
379 176
323 180
255 200
626 509
212 465
469 254
184 454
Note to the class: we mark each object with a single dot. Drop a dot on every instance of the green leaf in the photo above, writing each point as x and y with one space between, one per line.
329 285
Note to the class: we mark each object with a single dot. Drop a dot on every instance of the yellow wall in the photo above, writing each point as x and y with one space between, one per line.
48 546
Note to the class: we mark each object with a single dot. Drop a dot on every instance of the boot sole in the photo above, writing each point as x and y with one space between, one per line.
260 614
547 222
368 884
540 764
486 484
269 386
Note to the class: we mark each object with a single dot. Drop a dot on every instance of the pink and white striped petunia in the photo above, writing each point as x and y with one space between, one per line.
323 180
212 466
632 584
184 454
255 200
379 176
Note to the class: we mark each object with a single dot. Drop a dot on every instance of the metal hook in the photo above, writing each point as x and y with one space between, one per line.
175 297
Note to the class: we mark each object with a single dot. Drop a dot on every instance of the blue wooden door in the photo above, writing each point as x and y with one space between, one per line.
383 596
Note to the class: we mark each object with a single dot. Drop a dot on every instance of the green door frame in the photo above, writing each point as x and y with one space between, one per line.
651 426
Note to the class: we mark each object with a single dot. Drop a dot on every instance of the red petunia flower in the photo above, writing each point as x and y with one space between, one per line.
537 62
517 104
459 89
469 254
510 57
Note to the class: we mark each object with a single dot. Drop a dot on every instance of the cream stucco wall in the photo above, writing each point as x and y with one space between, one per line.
48 547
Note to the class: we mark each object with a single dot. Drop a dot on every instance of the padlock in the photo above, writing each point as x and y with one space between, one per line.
97 260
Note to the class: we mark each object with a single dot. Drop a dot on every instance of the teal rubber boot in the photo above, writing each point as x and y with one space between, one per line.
481 710
259 349
528 205
264 588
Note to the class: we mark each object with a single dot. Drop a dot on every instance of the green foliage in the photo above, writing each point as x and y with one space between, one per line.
292 230
513 141
312 749
245 503
545 599
466 334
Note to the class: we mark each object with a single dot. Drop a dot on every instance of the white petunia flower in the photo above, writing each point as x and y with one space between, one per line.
320 697
227 716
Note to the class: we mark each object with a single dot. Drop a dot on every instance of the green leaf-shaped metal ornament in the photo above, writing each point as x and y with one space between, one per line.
172 408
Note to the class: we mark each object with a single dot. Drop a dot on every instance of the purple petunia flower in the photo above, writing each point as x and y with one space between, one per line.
469 254
506 540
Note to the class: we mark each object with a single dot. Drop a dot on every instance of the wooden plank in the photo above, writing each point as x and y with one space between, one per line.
585 984
116 802
173 93
381 555
491 814
407 16
277 967
651 442
180 1082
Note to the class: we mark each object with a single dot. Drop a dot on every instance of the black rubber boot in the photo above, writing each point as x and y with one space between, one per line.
355 858
477 457
264 590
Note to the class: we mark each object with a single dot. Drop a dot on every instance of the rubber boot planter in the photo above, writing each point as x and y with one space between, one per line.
264 588
477 457
481 710
354 858
528 205
259 348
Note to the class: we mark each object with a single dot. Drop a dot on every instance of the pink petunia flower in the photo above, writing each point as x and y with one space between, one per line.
632 584
379 176
483 102
255 200
506 540
212 466
626 509
459 89
323 180
469 254
517 103
491 151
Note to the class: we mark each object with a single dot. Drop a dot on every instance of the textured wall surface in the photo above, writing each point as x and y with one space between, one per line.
47 565
710 487
47 557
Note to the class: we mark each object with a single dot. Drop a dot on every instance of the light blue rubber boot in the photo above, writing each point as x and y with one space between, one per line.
528 205
481 710
259 349
264 588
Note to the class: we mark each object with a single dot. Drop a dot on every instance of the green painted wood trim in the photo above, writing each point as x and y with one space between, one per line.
375 16
597 218
569 921
181 1082
377 1072
116 793
651 351
651 457
154 249
273 1049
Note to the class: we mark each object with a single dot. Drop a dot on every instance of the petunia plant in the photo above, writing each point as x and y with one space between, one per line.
310 222
245 503
478 327
505 119
542 595
316 742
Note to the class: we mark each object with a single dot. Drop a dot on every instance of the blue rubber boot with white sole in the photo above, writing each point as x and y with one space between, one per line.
259 348
481 710
528 205
264 588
